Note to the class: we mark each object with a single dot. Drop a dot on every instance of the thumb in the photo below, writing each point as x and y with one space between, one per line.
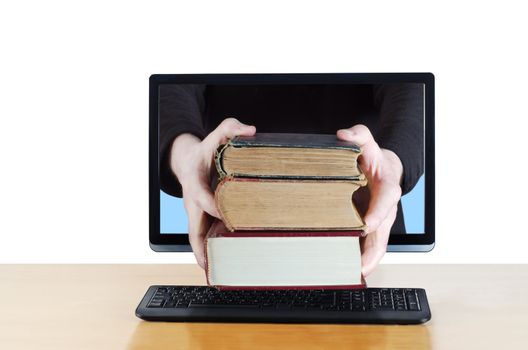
358 134
227 129
361 136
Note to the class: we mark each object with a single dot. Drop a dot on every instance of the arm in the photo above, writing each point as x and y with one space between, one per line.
401 129
181 109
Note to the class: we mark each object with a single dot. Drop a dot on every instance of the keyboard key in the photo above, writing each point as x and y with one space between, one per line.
182 304
237 306
268 306
169 304
358 307
414 307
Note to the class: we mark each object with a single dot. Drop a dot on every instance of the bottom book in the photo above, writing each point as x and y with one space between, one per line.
282 260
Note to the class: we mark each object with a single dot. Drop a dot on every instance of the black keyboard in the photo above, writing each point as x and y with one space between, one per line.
208 304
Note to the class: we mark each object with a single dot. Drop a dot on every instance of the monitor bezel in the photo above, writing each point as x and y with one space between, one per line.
402 243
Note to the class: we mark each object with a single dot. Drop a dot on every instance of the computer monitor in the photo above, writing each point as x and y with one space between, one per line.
398 108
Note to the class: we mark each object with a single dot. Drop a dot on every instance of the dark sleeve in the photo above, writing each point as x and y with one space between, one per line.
181 109
401 128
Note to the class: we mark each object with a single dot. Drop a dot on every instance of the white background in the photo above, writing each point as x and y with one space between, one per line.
74 110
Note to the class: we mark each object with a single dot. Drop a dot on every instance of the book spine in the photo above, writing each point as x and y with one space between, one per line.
219 160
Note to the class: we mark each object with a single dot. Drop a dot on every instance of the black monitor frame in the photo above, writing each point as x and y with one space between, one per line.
180 242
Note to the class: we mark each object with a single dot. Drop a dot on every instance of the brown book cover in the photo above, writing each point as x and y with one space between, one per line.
289 156
288 204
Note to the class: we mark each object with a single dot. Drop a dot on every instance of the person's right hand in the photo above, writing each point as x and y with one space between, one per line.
192 161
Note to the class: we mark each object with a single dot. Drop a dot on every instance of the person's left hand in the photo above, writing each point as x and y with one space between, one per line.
383 170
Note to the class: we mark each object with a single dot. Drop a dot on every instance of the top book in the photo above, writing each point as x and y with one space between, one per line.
289 156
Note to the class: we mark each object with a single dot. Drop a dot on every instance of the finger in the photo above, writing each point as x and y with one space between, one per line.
227 129
374 245
359 134
197 230
205 200
383 197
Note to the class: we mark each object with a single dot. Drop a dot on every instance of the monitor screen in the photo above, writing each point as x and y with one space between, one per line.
394 112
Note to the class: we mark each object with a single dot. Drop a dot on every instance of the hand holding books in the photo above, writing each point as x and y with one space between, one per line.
383 170
192 163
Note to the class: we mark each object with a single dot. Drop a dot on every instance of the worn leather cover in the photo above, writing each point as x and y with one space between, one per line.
219 186
218 229
284 140
294 141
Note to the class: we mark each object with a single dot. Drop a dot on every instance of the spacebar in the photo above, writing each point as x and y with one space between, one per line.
223 306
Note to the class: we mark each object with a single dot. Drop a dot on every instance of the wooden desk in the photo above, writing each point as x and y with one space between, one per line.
92 307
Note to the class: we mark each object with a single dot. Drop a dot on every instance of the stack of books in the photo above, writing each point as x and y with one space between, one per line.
288 219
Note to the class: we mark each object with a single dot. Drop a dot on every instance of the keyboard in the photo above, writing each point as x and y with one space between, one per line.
208 304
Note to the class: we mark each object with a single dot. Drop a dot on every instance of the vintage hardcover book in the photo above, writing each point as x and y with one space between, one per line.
288 204
282 260
293 156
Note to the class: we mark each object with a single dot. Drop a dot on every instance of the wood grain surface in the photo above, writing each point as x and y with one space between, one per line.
92 307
